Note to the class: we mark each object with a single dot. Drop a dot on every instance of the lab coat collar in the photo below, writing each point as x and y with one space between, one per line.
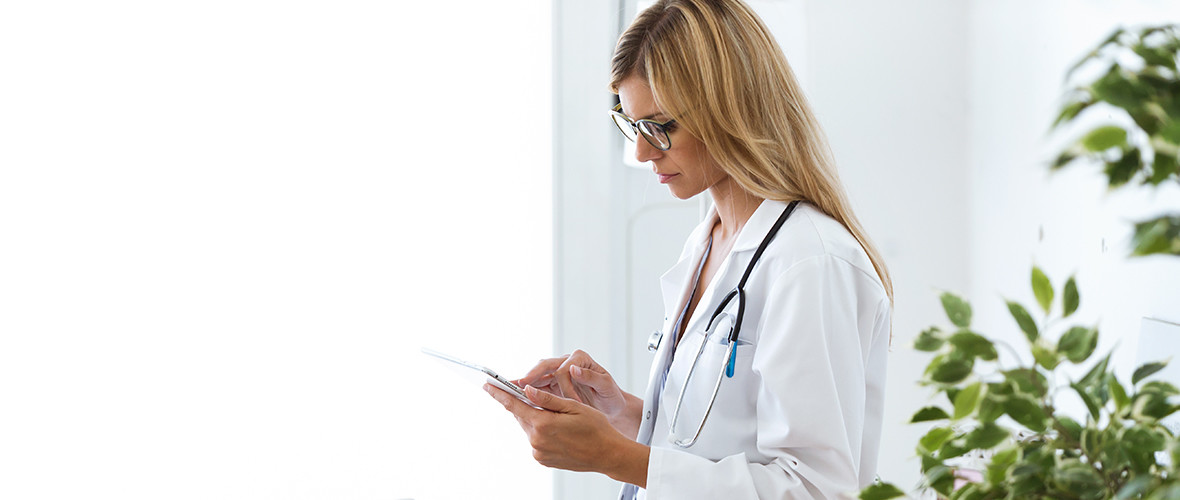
759 224
676 284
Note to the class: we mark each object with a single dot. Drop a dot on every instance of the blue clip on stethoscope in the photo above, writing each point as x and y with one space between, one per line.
738 293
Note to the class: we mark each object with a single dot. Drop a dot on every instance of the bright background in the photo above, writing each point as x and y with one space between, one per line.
227 227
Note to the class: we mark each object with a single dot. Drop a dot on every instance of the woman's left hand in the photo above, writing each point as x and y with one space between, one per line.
569 435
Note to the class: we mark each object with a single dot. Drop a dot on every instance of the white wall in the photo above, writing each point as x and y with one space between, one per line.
226 227
888 81
1019 54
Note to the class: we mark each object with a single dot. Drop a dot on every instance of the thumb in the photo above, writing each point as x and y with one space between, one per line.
550 401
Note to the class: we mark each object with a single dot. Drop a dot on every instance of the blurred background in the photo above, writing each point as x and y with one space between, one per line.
227 228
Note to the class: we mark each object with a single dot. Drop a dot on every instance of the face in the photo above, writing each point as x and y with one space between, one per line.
686 167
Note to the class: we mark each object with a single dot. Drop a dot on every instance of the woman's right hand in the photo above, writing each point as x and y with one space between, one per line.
577 376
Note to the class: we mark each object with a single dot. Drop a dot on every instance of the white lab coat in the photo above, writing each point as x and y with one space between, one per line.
801 417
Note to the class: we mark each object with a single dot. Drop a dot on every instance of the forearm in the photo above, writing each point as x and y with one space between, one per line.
629 463
627 422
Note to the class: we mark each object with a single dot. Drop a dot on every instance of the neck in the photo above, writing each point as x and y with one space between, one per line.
734 206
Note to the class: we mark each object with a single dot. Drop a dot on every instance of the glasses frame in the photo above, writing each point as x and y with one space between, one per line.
617 114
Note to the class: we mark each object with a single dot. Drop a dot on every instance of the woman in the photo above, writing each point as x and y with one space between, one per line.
792 407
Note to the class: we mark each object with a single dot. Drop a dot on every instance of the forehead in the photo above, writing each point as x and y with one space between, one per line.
637 99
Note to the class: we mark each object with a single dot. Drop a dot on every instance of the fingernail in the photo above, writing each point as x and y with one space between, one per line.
487 388
576 370
530 390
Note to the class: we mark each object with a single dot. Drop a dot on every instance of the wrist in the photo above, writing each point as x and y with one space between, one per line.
628 419
629 465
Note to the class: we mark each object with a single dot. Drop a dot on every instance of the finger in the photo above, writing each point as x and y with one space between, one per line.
510 402
566 383
543 369
551 402
601 382
568 388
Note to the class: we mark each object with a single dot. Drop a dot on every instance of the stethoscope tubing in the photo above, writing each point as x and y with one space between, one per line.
739 292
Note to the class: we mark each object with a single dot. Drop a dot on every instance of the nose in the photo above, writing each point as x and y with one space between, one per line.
644 151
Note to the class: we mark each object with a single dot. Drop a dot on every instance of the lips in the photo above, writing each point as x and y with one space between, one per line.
664 178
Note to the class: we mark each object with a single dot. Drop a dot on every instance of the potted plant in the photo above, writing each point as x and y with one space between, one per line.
1117 448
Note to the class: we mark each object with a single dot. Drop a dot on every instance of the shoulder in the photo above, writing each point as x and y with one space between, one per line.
811 238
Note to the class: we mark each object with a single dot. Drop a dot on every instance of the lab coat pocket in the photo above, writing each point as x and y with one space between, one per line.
712 344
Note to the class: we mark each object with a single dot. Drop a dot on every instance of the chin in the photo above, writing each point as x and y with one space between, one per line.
684 194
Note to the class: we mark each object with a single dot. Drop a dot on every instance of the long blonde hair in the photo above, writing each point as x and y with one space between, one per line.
714 67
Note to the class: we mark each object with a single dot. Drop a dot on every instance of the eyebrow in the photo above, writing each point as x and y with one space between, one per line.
648 117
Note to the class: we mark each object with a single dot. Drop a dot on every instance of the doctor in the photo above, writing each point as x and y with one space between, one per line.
769 371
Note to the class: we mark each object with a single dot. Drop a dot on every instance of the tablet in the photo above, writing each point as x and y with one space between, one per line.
489 375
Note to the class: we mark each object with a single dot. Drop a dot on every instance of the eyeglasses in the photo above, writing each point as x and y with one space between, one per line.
655 132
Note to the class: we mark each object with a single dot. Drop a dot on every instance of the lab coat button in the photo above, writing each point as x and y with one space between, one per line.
648 414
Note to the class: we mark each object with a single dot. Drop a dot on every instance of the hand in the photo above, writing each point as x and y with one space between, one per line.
569 435
577 376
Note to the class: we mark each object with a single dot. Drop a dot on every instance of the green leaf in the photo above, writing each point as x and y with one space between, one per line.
1118 394
1066 157
1170 133
1135 488
986 436
1146 370
1070 297
1078 343
1161 387
929 340
938 476
1045 356
957 310
934 439
881 491
1027 325
928 414
1074 476
1155 56
1028 381
969 491
1001 463
1042 289
974 344
1152 401
1071 111
1164 166
1096 375
952 370
1105 137
1068 428
1157 236
1121 171
951 449
1088 399
1140 444
1026 412
968 400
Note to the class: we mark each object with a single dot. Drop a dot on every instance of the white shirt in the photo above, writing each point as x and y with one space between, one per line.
801 416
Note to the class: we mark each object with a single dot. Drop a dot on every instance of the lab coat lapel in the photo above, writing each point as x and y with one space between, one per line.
676 284
731 269
676 288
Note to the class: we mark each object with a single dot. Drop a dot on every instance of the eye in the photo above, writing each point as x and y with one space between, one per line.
669 128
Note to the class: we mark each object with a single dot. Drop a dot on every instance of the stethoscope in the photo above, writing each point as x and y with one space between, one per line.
738 293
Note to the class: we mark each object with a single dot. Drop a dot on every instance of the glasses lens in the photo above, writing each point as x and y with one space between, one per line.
655 134
624 125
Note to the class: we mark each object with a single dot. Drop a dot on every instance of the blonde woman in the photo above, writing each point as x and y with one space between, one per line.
769 375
